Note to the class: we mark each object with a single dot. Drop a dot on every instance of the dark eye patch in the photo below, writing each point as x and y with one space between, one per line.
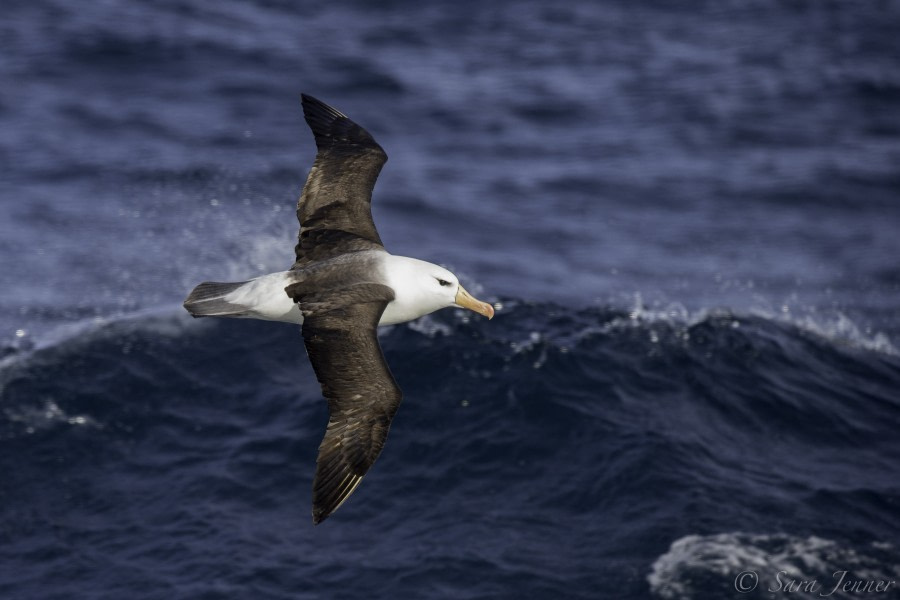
443 282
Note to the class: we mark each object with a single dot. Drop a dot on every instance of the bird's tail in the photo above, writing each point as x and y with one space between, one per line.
211 299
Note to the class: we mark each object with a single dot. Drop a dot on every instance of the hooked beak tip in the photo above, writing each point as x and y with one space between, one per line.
465 300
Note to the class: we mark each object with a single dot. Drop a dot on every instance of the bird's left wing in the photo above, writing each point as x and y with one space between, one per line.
362 395
334 209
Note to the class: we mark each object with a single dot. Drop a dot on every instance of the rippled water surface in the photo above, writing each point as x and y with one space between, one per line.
687 216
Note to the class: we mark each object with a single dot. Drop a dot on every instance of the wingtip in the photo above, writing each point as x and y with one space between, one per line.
307 100
332 127
313 108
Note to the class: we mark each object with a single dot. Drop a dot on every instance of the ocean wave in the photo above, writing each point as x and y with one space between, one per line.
764 365
727 564
546 427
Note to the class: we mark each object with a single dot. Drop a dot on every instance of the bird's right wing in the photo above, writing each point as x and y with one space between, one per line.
334 210
362 395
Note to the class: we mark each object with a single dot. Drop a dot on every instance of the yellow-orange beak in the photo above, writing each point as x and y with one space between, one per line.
465 300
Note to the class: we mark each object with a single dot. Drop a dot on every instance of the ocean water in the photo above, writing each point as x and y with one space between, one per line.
686 214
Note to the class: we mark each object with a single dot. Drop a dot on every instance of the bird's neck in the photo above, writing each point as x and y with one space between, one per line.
411 301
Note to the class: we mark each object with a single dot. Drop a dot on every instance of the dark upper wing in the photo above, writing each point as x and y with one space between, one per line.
334 210
362 394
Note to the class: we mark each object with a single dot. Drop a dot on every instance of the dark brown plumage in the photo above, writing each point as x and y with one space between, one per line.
340 321
335 207
362 395
342 285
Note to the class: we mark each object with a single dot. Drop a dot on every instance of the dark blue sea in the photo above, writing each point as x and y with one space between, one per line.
687 216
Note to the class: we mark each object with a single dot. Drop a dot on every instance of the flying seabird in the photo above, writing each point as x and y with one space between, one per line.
341 287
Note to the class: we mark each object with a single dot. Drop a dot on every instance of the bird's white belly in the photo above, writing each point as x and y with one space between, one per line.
264 298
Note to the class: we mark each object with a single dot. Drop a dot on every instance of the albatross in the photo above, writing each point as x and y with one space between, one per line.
341 287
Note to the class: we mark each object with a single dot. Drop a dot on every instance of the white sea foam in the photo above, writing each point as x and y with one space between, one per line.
33 418
834 326
696 565
167 321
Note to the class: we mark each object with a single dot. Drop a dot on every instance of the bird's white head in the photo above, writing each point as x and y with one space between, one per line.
421 288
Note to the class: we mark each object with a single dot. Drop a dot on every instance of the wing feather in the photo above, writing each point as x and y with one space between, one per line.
334 209
362 395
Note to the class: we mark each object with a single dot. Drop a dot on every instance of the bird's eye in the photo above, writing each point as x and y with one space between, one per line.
443 282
